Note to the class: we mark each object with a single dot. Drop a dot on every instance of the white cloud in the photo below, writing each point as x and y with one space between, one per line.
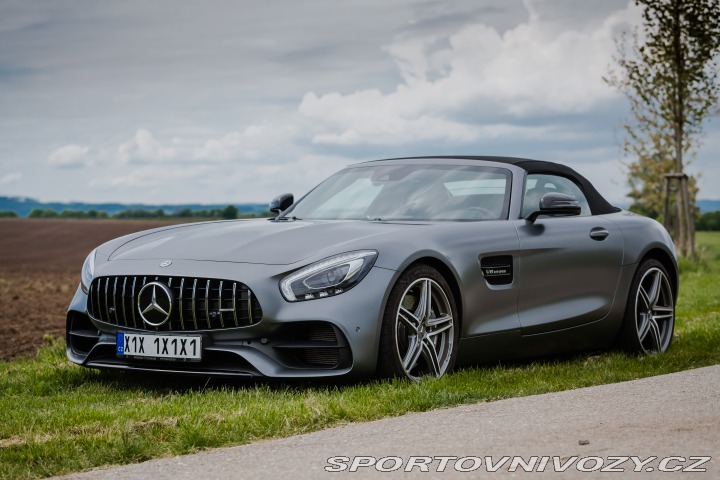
10 178
70 156
132 180
461 77
469 87
156 181
216 182
254 143
454 85
144 148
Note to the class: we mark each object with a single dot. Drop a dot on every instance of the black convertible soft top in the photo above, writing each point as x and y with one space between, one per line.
598 204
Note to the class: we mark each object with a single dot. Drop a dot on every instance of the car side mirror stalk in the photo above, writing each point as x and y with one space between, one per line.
281 203
554 203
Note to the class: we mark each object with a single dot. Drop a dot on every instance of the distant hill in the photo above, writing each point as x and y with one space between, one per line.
23 206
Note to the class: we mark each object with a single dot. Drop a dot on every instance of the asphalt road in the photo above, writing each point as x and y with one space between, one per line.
670 415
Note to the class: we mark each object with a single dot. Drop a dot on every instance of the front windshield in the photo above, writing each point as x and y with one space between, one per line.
408 192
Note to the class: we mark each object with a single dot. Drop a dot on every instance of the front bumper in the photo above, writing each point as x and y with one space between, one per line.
327 337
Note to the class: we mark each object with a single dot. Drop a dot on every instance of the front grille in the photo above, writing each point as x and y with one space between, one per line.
197 303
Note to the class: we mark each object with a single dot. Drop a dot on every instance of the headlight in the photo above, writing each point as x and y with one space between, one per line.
88 269
328 277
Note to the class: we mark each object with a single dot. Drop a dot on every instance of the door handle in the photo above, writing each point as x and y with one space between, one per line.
599 234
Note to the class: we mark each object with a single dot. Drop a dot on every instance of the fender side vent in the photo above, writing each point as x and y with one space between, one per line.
497 270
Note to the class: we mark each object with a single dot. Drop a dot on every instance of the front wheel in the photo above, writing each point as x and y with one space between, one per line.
420 329
650 313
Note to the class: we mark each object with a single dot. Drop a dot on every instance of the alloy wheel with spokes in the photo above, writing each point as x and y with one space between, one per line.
650 317
420 327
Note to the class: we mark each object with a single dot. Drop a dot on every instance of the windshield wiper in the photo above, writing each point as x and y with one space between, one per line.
285 219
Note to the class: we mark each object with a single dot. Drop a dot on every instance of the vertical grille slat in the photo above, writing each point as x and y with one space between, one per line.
114 300
107 301
207 304
249 307
117 320
98 293
132 302
144 281
220 305
181 306
234 303
123 302
92 298
194 298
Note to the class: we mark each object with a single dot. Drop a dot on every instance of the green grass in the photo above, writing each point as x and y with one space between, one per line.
57 418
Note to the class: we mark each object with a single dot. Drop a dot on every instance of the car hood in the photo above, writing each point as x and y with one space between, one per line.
252 241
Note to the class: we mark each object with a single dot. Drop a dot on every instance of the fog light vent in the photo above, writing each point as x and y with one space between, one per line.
321 333
322 357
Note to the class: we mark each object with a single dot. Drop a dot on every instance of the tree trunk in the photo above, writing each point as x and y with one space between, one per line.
683 227
685 240
689 221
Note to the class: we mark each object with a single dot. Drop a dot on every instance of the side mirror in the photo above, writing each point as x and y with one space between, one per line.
281 202
556 204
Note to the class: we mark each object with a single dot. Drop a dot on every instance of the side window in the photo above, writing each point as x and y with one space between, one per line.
537 184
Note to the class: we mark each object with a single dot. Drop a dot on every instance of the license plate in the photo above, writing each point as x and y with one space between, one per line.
165 347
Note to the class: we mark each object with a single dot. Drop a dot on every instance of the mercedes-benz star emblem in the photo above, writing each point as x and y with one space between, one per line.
155 303
166 263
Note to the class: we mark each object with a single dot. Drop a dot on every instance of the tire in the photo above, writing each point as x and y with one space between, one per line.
416 341
650 313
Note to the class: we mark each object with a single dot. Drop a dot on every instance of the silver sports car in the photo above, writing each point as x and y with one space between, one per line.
404 267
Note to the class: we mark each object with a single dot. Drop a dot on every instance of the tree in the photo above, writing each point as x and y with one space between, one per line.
183 213
230 212
709 221
670 78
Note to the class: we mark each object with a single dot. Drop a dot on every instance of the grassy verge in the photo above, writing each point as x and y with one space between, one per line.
57 418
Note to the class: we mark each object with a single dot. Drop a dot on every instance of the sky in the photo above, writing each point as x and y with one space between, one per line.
232 101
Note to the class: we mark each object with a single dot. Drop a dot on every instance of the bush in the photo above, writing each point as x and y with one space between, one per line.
139 213
72 214
47 213
50 213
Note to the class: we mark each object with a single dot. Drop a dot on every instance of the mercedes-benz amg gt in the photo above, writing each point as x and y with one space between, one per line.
404 267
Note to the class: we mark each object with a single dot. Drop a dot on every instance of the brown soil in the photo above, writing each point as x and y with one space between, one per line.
40 261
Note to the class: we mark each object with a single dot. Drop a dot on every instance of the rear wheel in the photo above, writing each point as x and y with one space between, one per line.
650 313
420 328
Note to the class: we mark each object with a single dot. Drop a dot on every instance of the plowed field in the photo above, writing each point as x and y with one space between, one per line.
40 261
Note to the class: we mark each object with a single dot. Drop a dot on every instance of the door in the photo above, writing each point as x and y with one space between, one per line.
569 267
